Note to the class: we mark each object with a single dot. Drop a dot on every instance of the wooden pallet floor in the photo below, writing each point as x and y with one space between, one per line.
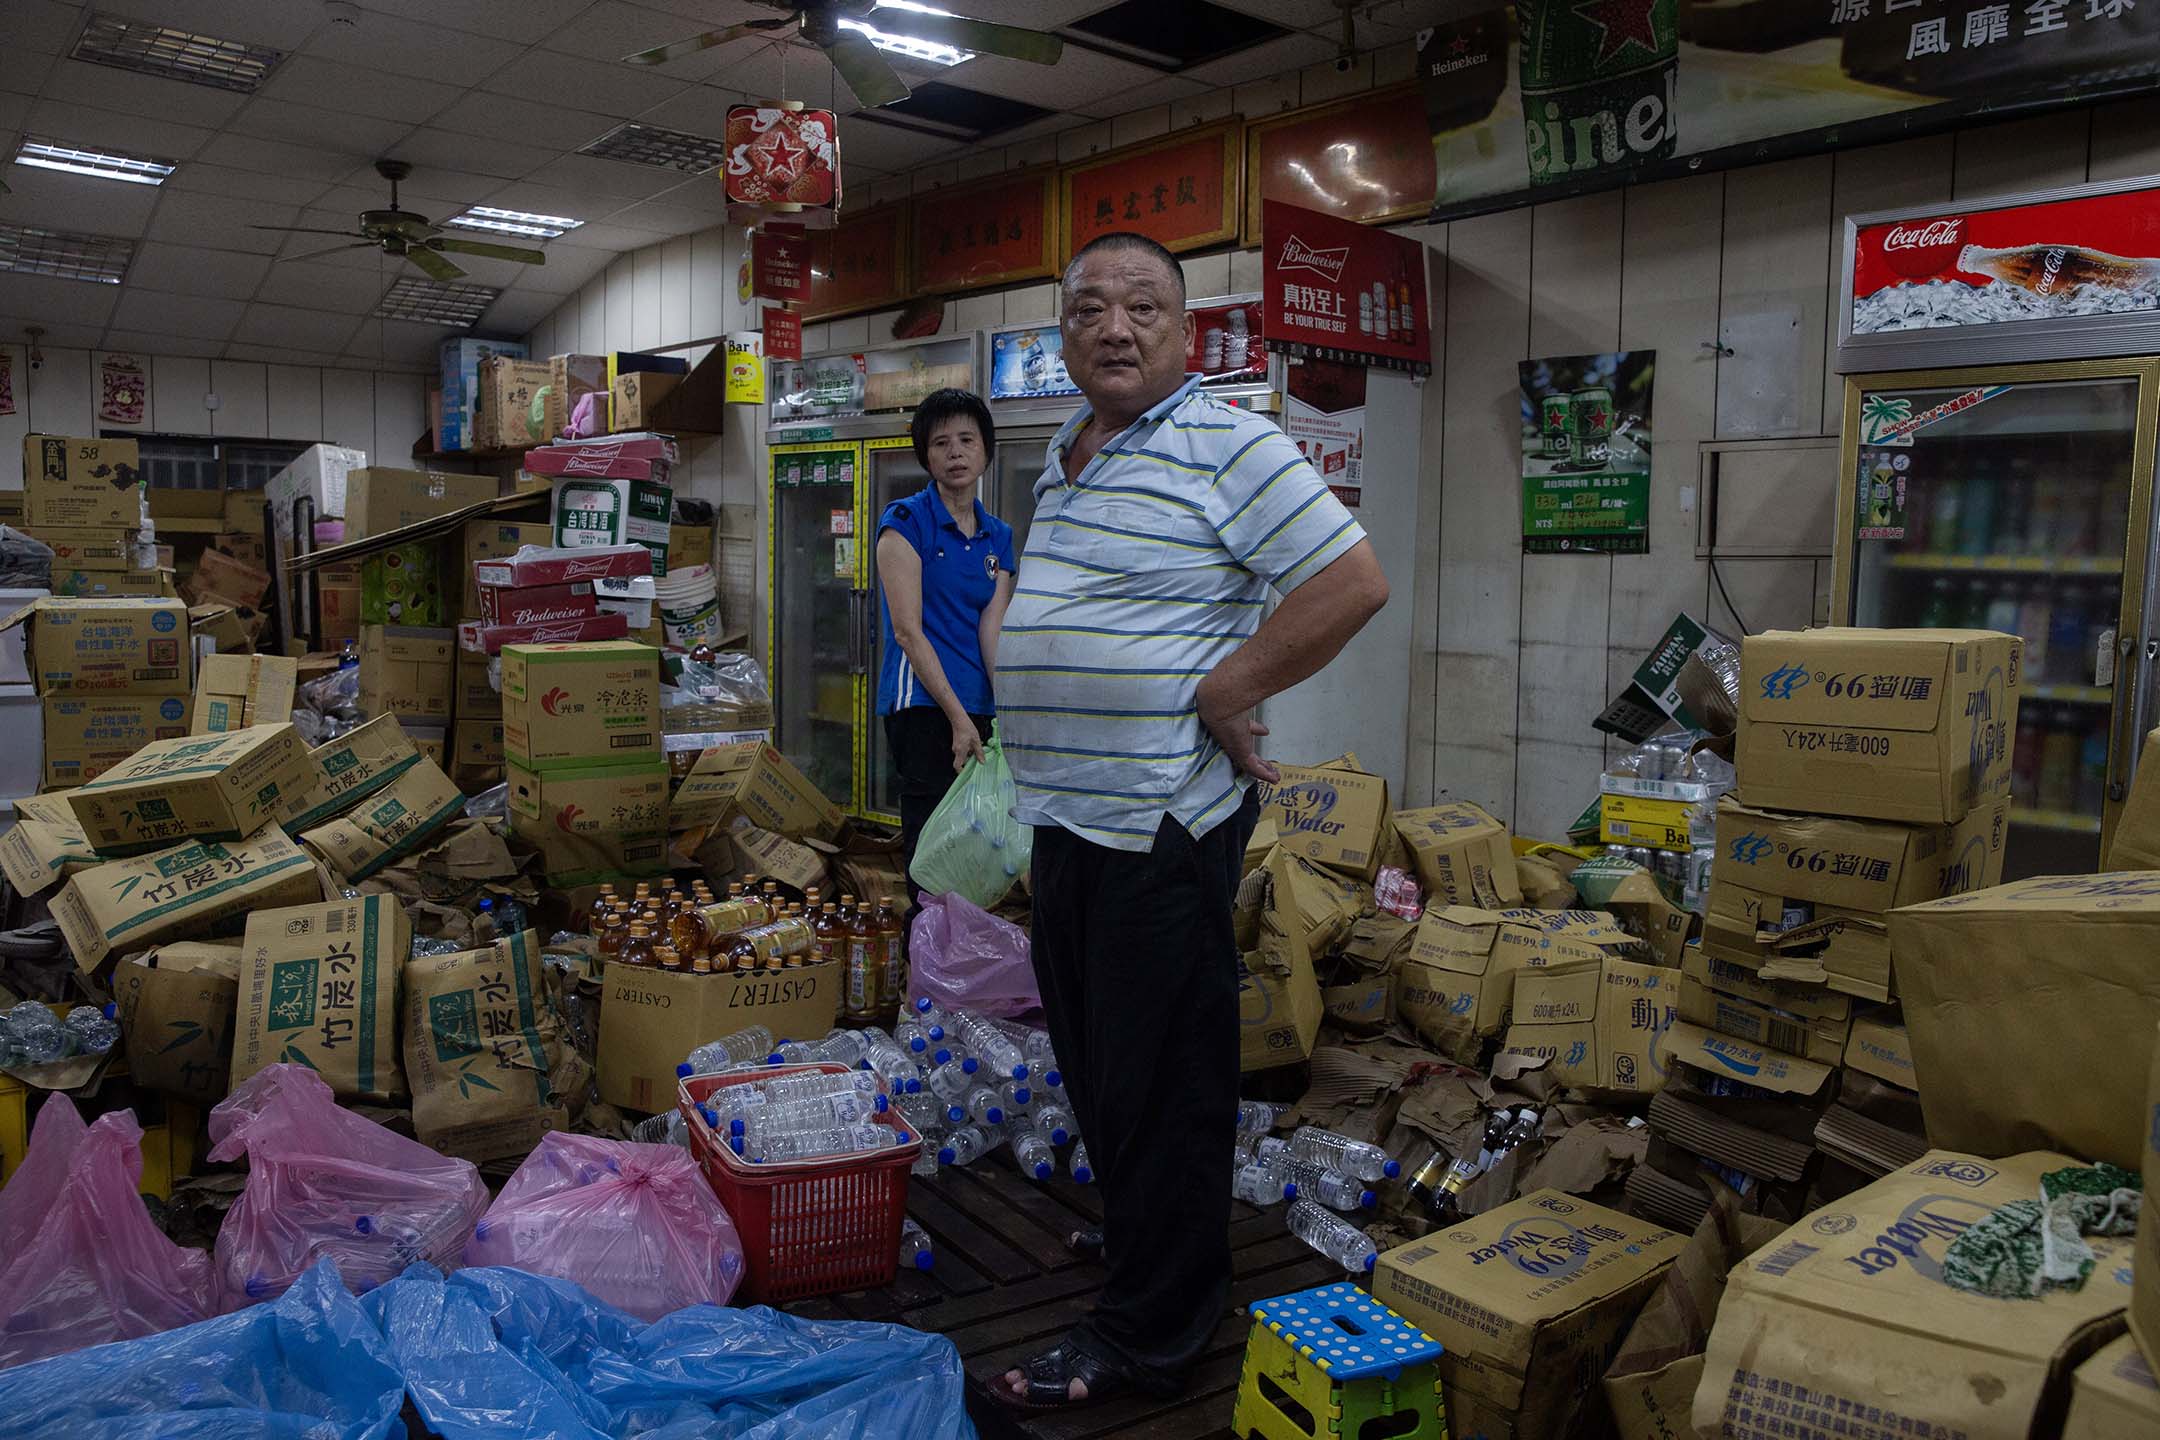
1006 1286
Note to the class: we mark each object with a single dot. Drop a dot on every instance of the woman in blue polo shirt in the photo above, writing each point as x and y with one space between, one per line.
945 568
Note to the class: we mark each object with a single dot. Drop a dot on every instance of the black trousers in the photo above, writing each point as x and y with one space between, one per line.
1137 963
920 739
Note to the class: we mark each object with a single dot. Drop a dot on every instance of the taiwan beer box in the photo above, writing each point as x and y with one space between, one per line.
212 787
1807 894
188 891
650 1019
1880 724
1597 1023
1463 855
379 500
1334 815
2145 1285
1529 1301
390 824
2032 1009
598 511
69 481
580 704
1458 986
95 646
346 770
1850 1310
407 672
87 735
593 822
754 779
2113 1396
319 987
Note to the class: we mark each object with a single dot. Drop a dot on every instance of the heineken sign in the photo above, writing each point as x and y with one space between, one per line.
1557 97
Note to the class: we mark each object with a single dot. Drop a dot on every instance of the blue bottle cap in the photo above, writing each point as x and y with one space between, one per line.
936 1032
922 1005
1366 1199
735 1144
365 1224
735 1126
487 904
1083 1175
1023 1096
880 1105
941 1057
1369 1262
1054 1079
970 1065
1289 1190
917 1044
1042 1169
1059 1135
924 1259
901 1137
1020 1072
914 1087
946 1156
956 1113
683 1071
1392 1169
995 1114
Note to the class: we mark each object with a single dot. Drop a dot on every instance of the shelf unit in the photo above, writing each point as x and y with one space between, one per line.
2010 564
2068 821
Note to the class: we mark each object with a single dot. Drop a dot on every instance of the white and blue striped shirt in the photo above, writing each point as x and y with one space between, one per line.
1141 575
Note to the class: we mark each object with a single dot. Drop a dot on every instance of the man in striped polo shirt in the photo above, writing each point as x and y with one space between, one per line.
1130 661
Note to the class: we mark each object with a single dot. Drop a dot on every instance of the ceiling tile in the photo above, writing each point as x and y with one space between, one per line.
792 70
427 183
617 238
408 47
244 184
663 218
349 89
299 162
507 117
503 19
1080 77
890 149
13 108
699 110
282 27
220 222
324 129
47 299
73 337
332 287
24 74
294 328
143 342
1323 15
150 96
161 139
1035 14
538 199
715 13
1140 97
607 177
517 312
447 151
701 193
568 268
195 270
76 202
196 315
278 355
40 25
1275 57
591 79
398 341
613 29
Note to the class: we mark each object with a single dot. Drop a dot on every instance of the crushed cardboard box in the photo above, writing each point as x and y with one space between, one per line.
1457 987
755 780
1462 854
347 769
319 987
187 892
177 1003
1279 1004
215 787
38 854
2114 1396
480 1048
389 824
1334 815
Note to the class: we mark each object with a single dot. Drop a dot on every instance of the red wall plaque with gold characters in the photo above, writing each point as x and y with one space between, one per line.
1183 190
860 264
999 232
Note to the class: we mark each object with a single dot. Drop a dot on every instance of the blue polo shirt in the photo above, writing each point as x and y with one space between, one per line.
959 575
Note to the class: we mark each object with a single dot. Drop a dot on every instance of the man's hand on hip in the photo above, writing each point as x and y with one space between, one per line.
1239 735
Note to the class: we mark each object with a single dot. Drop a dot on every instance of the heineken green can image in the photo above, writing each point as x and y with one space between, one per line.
1600 83
1554 422
1590 427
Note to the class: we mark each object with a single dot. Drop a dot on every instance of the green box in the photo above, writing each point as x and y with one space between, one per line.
404 586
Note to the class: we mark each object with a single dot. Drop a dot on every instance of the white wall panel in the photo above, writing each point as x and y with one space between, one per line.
675 292
400 416
711 280
645 299
592 317
60 398
177 387
621 281
348 406
295 405
243 391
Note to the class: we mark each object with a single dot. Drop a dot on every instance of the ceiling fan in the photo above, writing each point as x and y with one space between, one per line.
854 54
401 232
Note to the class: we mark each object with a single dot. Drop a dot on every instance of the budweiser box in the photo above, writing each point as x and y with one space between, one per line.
1463 855
2032 1009
1881 724
476 638
69 481
555 566
408 672
87 735
379 500
319 987
233 692
1597 1023
1881 1046
494 540
1819 1038
1850 1310
1843 876
95 646
38 854
2113 1396
580 704
755 780
216 787
92 548
594 822
2145 1289
182 893
1529 1301
650 1019
1457 988
346 770
388 825
1334 815
537 604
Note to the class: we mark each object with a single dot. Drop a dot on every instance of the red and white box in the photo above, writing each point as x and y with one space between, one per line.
595 457
537 604
549 565
485 639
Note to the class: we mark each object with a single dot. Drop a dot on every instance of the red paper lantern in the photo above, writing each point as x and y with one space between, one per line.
783 160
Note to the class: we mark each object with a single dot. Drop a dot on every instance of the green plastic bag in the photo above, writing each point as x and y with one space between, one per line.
971 846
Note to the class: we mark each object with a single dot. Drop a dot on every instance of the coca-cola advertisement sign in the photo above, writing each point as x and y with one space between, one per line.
1338 290
2080 256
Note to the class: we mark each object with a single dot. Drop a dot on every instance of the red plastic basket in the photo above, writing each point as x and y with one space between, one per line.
808 1227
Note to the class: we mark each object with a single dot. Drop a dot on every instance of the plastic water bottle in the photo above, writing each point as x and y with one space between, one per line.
816 1113
665 1129
1055 1123
510 917
1332 1236
915 1038
981 1105
842 1047
802 1087
1016 1096
915 1251
1029 1149
966 1145
1257 1117
1261 1182
1331 1151
793 1052
950 1082
924 1113
929 1015
1037 1049
831 1140
36 1034
989 1044
902 1070
93 1028
754 1043
1082 1172
1331 1188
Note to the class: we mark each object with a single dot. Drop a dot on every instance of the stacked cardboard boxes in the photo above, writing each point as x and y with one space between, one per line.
113 674
581 737
86 499
459 426
611 491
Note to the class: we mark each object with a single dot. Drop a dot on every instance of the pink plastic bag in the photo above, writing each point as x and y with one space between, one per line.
81 1261
965 958
324 1181
636 1225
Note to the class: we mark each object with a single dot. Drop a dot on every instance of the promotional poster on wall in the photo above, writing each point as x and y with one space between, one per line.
1586 453
1324 413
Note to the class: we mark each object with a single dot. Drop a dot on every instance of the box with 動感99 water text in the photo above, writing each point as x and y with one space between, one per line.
217 787
593 703
1458 985
1881 724
1334 814
1462 855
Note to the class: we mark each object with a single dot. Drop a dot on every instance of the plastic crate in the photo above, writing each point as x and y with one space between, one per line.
808 1227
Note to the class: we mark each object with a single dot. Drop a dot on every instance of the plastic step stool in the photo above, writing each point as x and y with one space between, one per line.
1326 1362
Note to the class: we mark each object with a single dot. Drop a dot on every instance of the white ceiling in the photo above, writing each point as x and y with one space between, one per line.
489 100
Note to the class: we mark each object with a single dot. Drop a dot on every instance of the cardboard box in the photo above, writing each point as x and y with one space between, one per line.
1814 1038
512 409
379 500
404 585
1597 1022
1457 989
536 604
476 744
1334 815
177 1004
599 512
318 475
346 770
586 630
460 365
2135 845
2113 1396
408 672
228 577
1636 820
96 549
754 779
233 692
650 1019
388 825
71 481
1793 996
557 565
178 894
1884 724
2012 995
319 987
481 1045
570 379
242 516
594 822
2145 1280
95 646
1852 1305
1729 1057
636 395
215 787
115 584
494 540
1462 855
583 704
1279 1004
38 854
338 615
1633 893
87 735
1881 1046
476 697
1530 1301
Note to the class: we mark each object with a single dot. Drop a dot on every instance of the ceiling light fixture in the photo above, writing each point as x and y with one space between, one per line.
908 45
514 222
28 250
175 54
99 164
667 149
431 302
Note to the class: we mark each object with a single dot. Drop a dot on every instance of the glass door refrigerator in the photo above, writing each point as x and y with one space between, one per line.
1996 473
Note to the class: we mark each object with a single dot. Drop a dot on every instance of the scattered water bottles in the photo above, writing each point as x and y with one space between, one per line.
93 1028
1331 1151
1082 1172
30 1034
1056 1123
915 1249
1331 1188
843 1047
1257 1117
802 1086
902 1071
1030 1151
1332 1236
754 1043
985 1041
663 1129
1260 1182
830 1140
951 1081
966 1145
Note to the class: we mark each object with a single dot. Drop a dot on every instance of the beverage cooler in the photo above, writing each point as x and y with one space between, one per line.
1996 473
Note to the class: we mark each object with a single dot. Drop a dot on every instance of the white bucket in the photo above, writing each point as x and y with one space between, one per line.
689 605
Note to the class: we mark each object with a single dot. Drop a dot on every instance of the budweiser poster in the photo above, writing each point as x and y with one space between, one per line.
1559 97
1336 290
1586 453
